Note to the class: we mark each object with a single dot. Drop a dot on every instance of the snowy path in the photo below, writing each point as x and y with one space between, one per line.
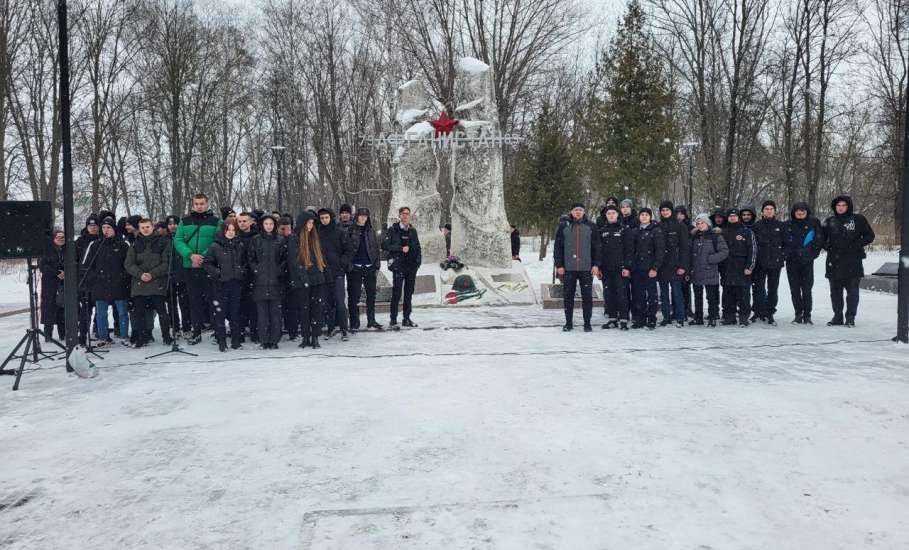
787 437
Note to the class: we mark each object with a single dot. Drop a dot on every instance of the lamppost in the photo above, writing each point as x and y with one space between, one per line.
278 154
690 147
71 282
902 301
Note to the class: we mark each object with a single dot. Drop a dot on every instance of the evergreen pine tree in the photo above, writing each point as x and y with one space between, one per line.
547 181
630 137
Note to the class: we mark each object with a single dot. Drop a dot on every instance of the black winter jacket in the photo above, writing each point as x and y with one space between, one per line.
616 247
770 235
845 238
267 259
354 234
677 254
336 247
298 275
107 278
395 240
804 239
742 254
649 248
51 265
225 260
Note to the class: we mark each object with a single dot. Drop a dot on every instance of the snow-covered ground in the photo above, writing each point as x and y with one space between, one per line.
516 436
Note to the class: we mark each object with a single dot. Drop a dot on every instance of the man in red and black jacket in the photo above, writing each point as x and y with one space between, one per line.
576 256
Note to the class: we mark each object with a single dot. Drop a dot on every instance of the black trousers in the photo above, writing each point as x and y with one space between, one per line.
291 316
309 301
226 301
197 285
269 312
736 299
359 277
851 288
616 293
402 285
801 281
249 313
572 279
336 309
645 301
713 301
178 306
766 284
686 294
144 308
58 319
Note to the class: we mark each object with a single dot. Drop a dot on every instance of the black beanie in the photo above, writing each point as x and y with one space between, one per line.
92 220
647 211
667 204
767 203
345 208
226 211
611 207
576 205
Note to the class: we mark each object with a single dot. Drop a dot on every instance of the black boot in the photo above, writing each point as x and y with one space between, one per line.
837 321
567 327
408 323
222 343
315 342
587 327
711 322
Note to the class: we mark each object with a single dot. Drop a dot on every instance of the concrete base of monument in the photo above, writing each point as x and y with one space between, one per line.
470 286
884 279
552 296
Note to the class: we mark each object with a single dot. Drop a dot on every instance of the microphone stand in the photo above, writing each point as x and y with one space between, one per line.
174 347
87 306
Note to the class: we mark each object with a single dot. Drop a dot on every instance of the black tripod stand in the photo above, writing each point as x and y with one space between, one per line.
172 309
32 336
86 305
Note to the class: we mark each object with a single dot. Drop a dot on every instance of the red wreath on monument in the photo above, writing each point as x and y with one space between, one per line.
444 125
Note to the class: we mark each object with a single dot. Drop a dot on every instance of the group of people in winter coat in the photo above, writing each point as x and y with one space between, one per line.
670 265
254 275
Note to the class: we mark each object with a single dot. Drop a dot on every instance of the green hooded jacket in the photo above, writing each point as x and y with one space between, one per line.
194 235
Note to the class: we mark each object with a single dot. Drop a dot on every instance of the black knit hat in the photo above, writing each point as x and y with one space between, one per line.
732 212
647 211
363 211
345 208
226 211
611 207
172 220
767 203
109 221
133 220
667 204
576 205
91 220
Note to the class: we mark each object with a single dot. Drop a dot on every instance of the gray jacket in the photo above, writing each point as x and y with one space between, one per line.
576 245
708 250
